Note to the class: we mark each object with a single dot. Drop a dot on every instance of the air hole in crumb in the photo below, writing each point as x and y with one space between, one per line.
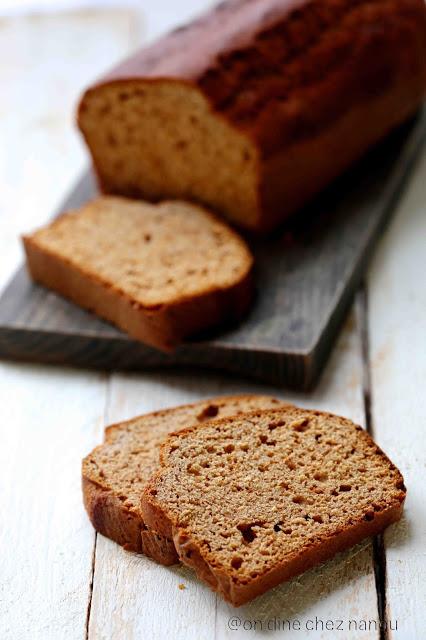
345 487
321 476
274 425
298 499
291 465
147 237
210 411
236 562
193 470
317 518
277 527
300 425
229 448
369 516
247 531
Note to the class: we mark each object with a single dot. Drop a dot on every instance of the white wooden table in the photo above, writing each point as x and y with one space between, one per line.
58 579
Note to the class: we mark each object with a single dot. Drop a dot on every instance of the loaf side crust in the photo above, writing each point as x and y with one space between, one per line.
311 85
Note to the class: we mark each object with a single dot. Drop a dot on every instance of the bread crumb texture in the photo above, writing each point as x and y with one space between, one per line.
249 493
154 254
130 454
116 472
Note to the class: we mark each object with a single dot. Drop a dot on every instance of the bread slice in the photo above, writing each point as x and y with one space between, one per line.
257 105
252 500
160 272
116 472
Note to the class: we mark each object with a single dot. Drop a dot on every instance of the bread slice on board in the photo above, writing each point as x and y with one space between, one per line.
160 272
257 105
115 473
252 500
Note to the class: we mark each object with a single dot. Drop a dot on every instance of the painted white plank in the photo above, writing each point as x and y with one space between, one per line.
45 62
397 311
132 596
48 421
49 417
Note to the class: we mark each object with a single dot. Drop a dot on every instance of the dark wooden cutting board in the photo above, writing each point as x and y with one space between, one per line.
307 274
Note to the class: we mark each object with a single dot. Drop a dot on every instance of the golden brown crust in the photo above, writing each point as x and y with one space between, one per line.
168 521
113 520
311 84
163 326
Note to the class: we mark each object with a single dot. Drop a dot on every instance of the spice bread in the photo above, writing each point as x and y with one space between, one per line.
253 500
256 106
160 272
115 473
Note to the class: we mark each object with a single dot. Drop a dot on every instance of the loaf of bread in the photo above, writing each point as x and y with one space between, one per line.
160 272
115 473
253 500
258 105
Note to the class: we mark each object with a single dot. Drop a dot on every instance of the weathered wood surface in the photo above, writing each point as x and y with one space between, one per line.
397 335
306 275
58 579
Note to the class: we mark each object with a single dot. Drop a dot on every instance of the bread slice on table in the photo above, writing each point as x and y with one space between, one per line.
253 500
160 272
115 473
257 105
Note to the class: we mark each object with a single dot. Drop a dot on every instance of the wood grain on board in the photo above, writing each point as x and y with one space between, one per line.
306 275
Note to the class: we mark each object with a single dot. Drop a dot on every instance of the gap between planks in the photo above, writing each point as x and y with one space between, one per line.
95 538
379 553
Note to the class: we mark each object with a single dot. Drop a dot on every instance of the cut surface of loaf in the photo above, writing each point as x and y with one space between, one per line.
160 272
253 500
256 106
115 473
